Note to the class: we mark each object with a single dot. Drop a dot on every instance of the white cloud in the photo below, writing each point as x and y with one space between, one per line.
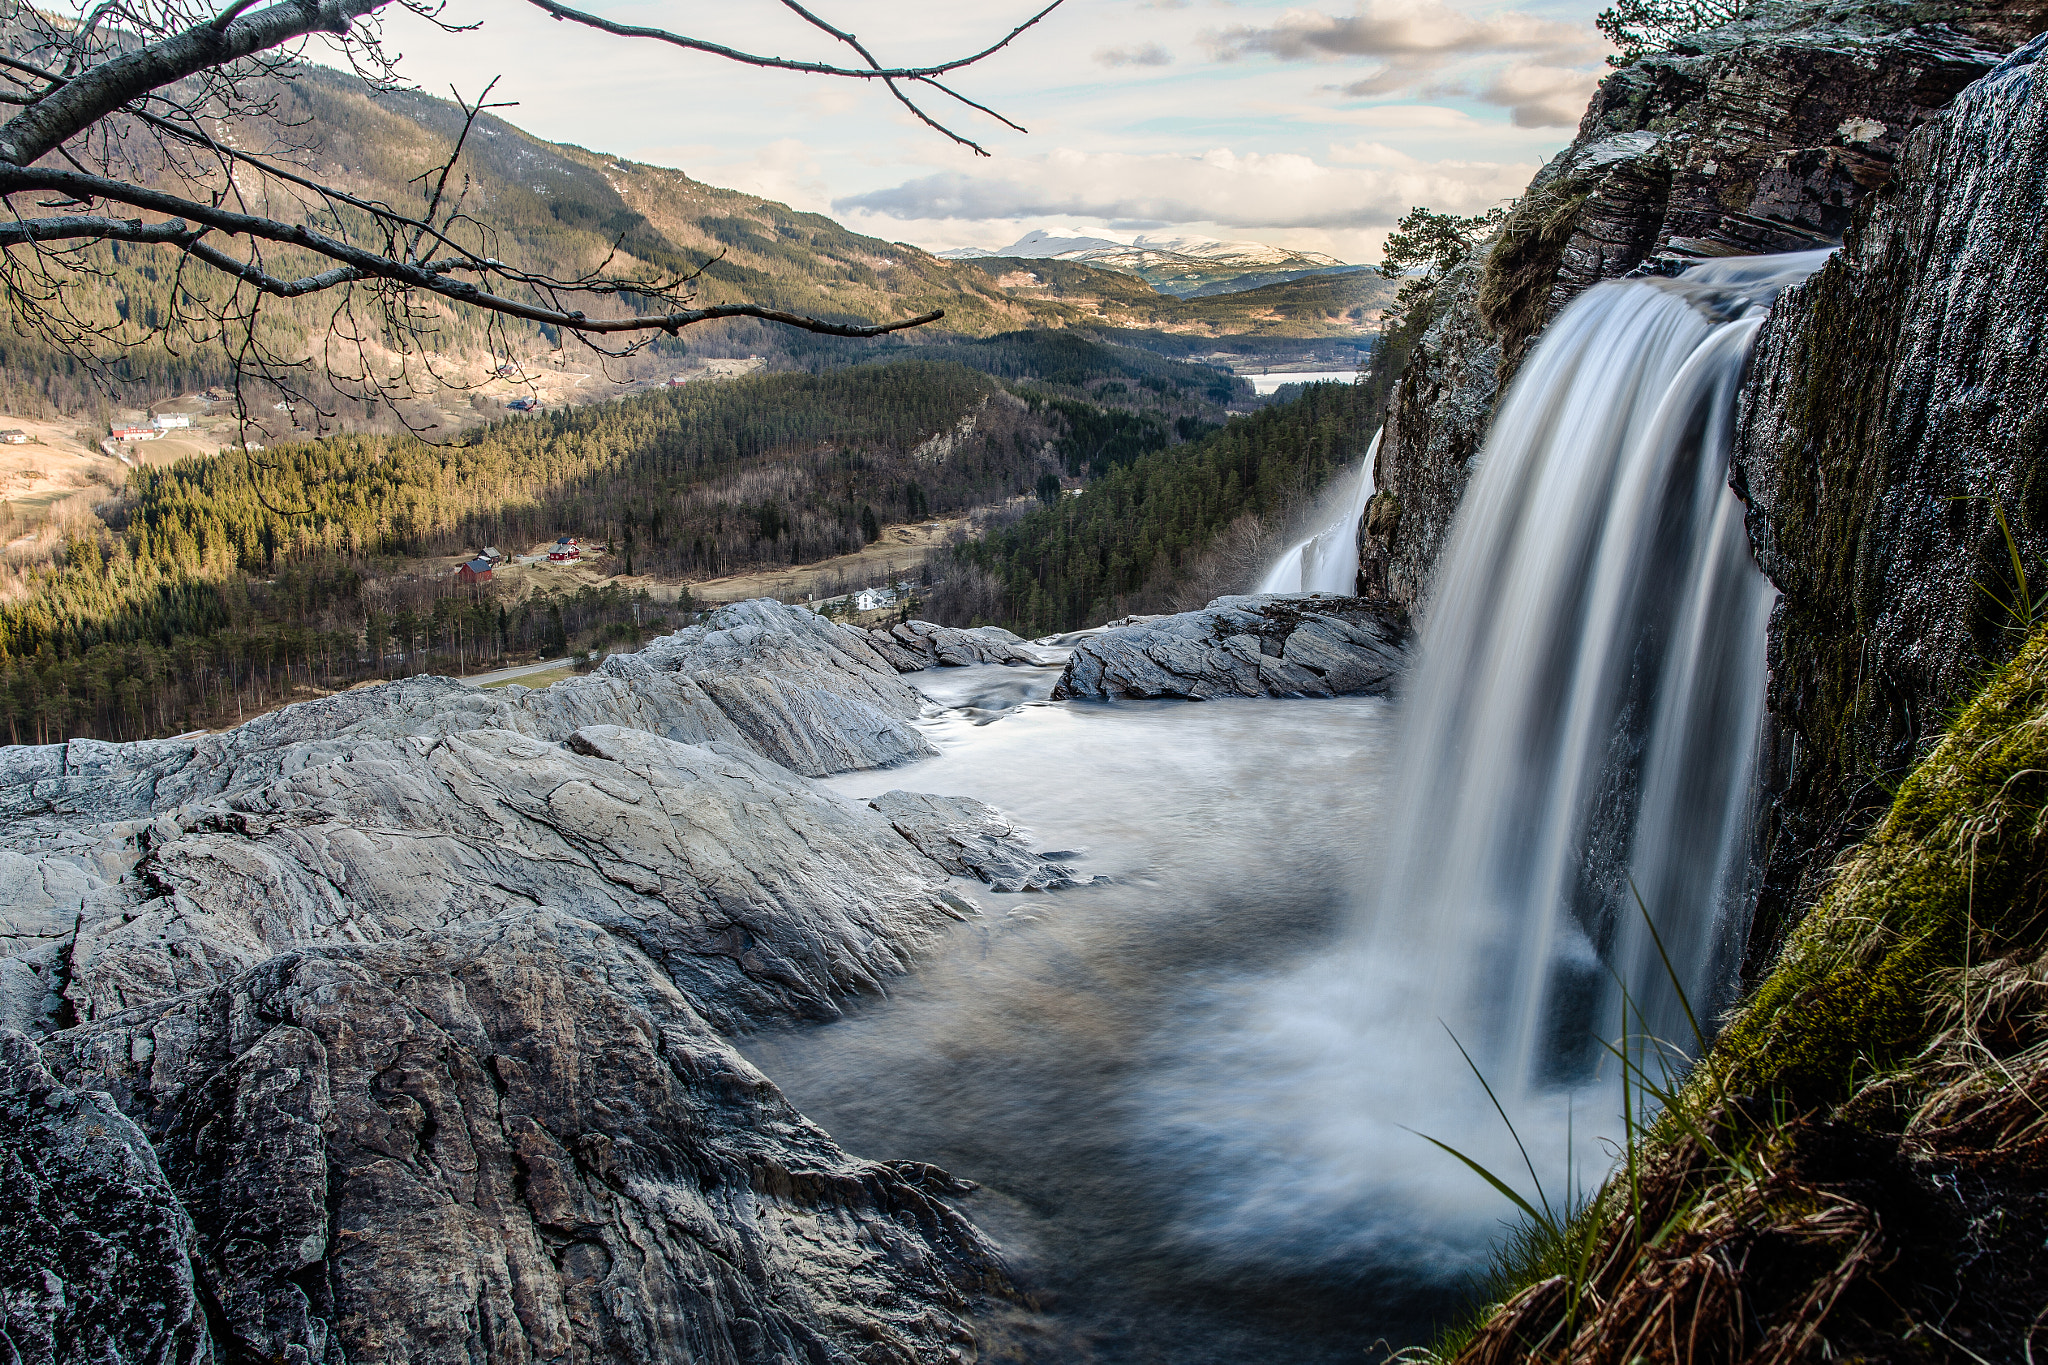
1371 154
1410 45
1418 31
1278 190
1150 54
1538 96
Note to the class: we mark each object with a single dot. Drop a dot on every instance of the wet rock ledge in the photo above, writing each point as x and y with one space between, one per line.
1311 645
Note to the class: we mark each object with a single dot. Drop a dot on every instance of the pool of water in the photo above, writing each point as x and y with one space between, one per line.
1028 1054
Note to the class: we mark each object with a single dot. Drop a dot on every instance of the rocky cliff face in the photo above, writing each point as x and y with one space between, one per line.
388 1027
1761 136
1898 403
515 1141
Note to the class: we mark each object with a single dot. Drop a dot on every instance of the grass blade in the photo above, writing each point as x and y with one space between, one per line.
1699 1036
1499 1109
1541 1218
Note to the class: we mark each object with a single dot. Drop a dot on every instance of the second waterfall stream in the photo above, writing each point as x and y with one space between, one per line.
1578 747
1328 560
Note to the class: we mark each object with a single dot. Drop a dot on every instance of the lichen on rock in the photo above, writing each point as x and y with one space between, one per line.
1897 405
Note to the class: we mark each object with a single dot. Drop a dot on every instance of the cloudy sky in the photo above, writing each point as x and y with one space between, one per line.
1307 126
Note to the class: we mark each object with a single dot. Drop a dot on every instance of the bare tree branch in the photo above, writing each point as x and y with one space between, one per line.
103 89
361 264
75 227
149 105
561 11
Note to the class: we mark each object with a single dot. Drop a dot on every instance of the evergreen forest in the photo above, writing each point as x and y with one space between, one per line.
214 587
1163 529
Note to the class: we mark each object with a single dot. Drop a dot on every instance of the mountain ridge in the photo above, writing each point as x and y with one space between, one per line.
1185 266
562 210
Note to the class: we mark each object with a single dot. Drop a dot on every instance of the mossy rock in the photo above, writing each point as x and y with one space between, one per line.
1956 873
1521 271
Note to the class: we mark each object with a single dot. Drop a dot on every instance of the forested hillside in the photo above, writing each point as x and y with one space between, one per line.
212 584
215 578
1170 525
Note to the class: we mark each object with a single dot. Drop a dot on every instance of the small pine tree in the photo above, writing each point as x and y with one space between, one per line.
1424 247
1640 27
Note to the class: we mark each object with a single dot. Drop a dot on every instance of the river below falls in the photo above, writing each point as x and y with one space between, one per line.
1027 1053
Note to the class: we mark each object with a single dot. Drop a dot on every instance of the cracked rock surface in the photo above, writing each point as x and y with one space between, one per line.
763 897
917 645
1270 646
392 1022
516 1141
95 1249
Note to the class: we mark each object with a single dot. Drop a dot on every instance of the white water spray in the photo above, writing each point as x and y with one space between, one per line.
1582 725
1328 560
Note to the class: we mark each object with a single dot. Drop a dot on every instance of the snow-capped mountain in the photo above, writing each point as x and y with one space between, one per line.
1185 266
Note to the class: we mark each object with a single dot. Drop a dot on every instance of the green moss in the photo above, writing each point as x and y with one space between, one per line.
1514 292
1955 873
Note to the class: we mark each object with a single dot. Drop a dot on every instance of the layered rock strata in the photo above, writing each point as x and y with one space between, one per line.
1897 408
416 995
917 645
1270 646
1760 136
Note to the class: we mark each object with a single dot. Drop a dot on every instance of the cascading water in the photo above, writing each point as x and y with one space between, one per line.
1193 1094
1581 727
1328 560
1589 687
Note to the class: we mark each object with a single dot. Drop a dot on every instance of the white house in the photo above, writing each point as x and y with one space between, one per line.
167 421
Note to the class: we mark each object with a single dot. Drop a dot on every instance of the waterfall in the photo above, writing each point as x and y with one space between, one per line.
1589 688
1581 728
1328 560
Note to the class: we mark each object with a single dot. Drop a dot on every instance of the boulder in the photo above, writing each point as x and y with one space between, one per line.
513 1140
1266 646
